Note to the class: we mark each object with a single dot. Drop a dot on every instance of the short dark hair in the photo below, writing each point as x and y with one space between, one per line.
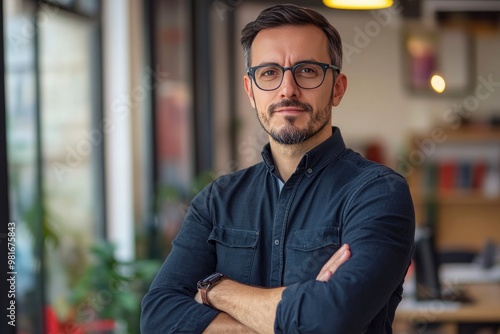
289 14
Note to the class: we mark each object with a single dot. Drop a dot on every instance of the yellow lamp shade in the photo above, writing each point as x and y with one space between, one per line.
358 4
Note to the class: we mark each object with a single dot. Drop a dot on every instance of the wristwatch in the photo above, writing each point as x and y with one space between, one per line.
206 284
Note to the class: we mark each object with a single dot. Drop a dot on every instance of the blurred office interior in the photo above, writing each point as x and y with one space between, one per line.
117 112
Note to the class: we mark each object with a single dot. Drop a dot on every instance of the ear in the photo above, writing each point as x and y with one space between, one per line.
339 88
247 82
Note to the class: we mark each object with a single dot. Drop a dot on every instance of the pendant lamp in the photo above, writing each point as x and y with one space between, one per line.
358 4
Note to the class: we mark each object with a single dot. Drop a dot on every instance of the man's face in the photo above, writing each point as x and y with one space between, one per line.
291 114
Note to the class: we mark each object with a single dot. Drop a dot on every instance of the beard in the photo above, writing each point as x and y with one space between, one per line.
290 134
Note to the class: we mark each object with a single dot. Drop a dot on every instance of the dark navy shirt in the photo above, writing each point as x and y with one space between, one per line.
243 225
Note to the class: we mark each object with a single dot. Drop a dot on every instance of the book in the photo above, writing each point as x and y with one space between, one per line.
447 176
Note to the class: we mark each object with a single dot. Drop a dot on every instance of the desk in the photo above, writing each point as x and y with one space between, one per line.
468 273
485 309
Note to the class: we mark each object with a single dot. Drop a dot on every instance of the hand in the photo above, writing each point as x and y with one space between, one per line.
337 259
197 297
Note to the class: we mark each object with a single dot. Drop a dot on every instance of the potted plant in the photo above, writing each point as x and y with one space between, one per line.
107 297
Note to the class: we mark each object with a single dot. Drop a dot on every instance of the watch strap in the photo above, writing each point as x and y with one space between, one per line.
204 298
204 288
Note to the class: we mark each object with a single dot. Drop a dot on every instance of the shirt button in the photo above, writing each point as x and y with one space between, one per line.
309 170
276 242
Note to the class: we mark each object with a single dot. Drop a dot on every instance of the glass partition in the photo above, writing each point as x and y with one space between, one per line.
174 125
52 77
21 109
71 145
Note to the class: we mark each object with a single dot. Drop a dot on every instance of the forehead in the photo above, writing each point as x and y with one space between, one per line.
288 44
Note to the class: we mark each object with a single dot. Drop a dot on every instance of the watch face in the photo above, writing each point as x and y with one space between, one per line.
202 285
207 282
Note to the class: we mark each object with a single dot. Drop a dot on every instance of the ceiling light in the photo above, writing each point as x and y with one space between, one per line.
358 4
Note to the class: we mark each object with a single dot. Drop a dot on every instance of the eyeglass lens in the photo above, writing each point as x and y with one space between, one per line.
306 76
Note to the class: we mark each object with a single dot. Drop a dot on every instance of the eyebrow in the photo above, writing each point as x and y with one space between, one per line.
297 62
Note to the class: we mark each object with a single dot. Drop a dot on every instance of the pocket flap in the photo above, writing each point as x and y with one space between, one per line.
233 237
308 240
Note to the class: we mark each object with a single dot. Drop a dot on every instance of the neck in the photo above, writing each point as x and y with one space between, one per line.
287 157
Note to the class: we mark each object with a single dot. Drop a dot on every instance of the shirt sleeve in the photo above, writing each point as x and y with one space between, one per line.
169 305
378 223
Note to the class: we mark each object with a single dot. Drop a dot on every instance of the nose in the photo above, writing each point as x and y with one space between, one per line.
289 87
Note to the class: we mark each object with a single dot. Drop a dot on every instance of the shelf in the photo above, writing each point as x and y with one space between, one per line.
457 187
456 198
467 199
470 134
475 134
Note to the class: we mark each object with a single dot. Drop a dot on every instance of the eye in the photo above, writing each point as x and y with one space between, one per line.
308 70
268 72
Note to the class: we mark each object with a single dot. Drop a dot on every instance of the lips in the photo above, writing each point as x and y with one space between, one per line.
289 110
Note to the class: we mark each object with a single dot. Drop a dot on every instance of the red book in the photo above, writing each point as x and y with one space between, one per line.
447 176
478 172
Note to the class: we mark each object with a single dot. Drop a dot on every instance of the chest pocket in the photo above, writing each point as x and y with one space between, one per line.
236 250
307 251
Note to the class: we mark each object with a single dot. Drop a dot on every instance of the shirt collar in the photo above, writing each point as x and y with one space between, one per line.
316 158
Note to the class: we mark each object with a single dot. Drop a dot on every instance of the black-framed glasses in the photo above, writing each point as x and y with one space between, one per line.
307 74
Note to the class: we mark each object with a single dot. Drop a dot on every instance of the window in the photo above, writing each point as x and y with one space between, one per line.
52 76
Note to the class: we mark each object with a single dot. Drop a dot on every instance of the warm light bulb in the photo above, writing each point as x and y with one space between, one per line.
438 83
358 4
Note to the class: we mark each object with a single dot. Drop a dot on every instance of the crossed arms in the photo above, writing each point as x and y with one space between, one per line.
247 309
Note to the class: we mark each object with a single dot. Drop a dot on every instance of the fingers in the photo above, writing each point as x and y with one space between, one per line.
337 259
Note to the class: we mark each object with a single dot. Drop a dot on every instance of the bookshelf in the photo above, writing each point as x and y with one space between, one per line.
455 185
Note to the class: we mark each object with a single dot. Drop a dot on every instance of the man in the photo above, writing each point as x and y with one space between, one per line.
315 239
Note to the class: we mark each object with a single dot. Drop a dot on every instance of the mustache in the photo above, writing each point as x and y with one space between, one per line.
289 103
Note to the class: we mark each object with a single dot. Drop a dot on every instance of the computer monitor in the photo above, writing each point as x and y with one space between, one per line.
426 262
